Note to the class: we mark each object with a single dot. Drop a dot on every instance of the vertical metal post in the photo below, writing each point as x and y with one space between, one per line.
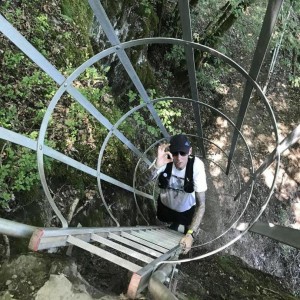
258 57
114 40
189 54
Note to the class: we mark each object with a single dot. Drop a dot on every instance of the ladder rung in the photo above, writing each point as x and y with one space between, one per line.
144 242
121 248
172 232
105 254
169 236
134 245
151 238
162 239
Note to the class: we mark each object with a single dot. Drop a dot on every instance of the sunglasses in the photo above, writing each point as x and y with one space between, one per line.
179 152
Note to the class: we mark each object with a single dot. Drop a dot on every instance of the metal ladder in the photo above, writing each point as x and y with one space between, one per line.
143 246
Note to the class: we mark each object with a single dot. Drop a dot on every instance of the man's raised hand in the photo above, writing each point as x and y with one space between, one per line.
164 156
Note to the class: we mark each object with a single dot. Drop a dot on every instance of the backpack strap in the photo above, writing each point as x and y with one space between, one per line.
188 178
164 177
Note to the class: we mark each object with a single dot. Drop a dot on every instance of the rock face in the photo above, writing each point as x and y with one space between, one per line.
130 20
44 276
50 277
59 287
228 277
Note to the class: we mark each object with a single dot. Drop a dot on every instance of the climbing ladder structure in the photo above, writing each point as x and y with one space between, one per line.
143 247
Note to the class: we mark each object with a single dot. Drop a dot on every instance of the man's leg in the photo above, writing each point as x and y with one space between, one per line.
174 226
164 213
168 215
185 218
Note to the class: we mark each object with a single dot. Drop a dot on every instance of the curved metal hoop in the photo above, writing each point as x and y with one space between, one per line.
135 109
67 87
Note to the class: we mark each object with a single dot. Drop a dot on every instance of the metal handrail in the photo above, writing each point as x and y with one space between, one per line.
16 229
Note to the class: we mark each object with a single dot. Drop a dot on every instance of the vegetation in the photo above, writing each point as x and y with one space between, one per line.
60 30
289 21
27 91
228 277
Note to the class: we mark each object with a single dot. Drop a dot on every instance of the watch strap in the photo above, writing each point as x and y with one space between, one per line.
191 232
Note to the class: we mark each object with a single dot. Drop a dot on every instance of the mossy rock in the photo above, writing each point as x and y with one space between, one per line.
23 276
228 277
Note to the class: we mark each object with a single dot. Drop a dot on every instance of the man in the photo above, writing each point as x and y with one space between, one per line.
182 181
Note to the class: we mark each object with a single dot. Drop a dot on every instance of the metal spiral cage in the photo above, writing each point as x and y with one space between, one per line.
234 209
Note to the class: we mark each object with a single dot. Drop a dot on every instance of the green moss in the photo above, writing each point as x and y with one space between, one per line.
252 282
228 277
150 18
27 90
146 74
79 12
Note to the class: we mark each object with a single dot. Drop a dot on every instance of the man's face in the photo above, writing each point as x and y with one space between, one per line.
180 161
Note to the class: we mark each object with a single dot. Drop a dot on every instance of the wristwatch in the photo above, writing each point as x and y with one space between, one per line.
191 232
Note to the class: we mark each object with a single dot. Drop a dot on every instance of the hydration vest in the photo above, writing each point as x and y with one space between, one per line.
164 177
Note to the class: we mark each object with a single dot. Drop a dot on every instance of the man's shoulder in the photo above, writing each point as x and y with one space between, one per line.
198 163
198 160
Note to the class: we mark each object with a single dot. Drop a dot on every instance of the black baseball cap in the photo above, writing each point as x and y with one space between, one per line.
179 143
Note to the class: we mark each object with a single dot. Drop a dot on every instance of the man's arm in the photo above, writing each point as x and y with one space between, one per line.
187 241
199 211
149 174
163 157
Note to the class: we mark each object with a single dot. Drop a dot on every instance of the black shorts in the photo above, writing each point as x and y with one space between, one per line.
168 215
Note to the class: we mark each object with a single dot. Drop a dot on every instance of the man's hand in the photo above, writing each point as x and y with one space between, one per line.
163 156
186 243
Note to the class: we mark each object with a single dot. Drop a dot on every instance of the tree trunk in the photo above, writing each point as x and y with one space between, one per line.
216 29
